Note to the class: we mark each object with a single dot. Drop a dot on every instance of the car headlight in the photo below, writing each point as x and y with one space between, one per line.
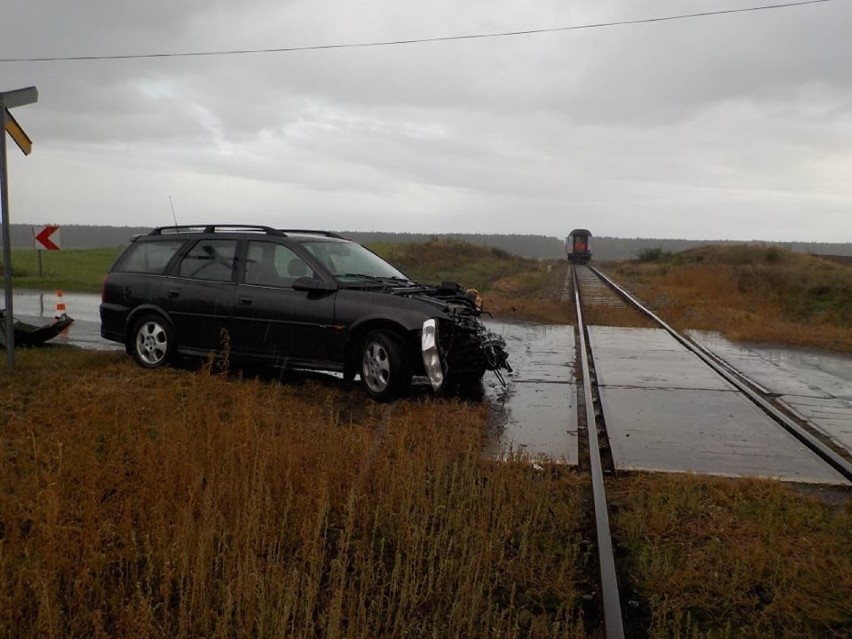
431 356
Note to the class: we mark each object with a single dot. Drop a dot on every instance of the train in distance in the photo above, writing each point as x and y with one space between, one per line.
578 246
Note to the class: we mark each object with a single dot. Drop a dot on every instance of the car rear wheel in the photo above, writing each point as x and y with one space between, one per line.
153 341
384 366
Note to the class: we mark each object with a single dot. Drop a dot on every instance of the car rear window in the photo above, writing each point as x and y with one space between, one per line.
148 257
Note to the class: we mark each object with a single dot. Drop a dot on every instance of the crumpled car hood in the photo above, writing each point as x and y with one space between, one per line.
449 296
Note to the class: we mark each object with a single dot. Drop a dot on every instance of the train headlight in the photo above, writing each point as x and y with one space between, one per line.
431 355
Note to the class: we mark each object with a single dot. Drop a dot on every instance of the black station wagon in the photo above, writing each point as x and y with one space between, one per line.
293 299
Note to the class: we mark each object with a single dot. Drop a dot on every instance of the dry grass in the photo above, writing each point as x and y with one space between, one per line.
735 558
184 504
534 295
471 265
749 293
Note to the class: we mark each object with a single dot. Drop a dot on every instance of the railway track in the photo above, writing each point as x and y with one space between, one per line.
593 287
623 383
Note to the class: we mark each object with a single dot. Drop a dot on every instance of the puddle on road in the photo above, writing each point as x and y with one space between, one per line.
816 385
536 414
785 370
80 306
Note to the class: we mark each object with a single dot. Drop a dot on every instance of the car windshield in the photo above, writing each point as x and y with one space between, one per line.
350 261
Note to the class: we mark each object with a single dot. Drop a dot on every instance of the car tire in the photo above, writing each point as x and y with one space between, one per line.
385 369
152 341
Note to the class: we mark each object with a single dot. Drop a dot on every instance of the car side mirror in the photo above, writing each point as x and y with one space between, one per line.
312 284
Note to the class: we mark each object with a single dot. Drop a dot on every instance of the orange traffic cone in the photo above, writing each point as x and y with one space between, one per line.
60 310
60 304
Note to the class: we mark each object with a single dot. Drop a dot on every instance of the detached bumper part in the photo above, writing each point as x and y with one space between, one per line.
494 347
431 356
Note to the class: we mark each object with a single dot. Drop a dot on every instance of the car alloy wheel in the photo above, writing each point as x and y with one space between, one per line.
384 368
153 342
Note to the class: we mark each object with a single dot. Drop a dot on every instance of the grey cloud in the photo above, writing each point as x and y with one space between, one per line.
692 128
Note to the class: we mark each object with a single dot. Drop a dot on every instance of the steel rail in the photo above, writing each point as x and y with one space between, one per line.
815 445
613 621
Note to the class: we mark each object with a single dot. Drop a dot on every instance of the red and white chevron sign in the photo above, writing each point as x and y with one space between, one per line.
47 239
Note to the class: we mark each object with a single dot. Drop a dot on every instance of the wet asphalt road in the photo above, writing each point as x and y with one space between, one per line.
666 410
537 412
37 307
815 385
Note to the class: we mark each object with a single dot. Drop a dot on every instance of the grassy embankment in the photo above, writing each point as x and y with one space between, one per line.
512 286
751 293
179 503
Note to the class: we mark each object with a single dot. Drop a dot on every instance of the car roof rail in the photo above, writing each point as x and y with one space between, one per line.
313 232
215 228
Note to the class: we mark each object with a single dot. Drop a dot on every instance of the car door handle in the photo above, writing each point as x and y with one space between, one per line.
173 293
245 301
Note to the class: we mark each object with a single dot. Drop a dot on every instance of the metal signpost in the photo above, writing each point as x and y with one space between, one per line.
10 100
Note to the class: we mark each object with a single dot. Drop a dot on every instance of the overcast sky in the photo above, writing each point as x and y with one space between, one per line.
725 127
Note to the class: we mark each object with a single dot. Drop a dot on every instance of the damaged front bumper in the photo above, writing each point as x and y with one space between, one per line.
431 354
461 348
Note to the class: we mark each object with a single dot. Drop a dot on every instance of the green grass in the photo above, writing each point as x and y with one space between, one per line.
69 269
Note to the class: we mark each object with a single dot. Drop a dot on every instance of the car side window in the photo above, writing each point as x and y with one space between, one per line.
209 260
270 264
148 257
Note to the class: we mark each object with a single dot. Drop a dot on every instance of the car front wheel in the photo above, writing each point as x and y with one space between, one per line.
153 341
384 367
